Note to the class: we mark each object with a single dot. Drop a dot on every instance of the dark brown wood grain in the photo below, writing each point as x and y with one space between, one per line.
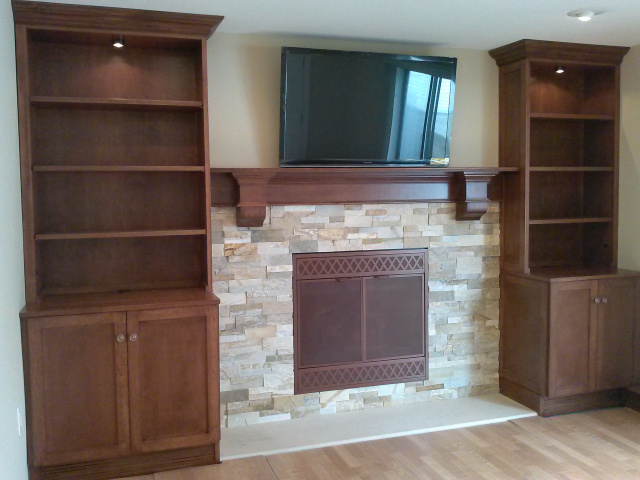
524 331
572 338
567 341
78 384
616 325
62 16
173 380
562 131
253 189
116 200
555 51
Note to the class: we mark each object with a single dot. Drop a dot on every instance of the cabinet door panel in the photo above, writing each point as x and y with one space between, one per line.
173 378
78 384
616 318
572 338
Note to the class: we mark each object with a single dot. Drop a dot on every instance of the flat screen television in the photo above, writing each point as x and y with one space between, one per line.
343 108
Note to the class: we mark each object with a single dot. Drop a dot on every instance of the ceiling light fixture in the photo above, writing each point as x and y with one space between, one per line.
584 14
559 69
118 41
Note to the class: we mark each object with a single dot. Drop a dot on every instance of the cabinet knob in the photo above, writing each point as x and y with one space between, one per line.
133 337
597 300
604 300
121 338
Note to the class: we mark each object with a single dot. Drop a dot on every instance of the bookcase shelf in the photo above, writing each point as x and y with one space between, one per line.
114 103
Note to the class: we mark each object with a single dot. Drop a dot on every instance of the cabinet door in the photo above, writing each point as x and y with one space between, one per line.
616 318
572 338
77 367
173 371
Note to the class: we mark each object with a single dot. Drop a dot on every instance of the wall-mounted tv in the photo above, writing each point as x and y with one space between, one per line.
342 108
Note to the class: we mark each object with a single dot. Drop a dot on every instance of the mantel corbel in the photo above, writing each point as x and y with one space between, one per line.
473 195
251 209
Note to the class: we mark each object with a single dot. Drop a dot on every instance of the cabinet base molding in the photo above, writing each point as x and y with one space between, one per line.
632 397
131 465
546 407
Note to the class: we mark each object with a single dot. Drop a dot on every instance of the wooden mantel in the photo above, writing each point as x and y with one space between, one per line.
251 190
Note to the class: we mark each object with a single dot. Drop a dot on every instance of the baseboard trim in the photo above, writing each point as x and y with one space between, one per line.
547 407
131 465
632 397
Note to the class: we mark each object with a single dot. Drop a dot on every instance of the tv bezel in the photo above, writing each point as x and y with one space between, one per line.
337 162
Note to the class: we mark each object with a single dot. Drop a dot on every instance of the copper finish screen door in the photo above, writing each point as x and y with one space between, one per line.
359 319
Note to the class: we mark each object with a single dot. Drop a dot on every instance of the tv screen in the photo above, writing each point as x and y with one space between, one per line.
341 108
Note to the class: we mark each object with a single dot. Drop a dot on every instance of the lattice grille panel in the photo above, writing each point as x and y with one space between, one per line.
315 267
325 378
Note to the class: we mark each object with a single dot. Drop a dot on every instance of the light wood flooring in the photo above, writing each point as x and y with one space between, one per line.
603 444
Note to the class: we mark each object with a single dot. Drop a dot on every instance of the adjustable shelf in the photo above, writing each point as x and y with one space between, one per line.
571 169
114 103
571 116
115 168
124 234
555 221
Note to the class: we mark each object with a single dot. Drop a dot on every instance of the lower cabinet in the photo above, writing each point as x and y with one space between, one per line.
591 336
568 344
108 386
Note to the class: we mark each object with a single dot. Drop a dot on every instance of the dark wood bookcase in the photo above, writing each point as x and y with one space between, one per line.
116 195
568 315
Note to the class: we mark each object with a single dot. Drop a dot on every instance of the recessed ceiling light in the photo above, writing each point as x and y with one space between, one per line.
118 41
584 14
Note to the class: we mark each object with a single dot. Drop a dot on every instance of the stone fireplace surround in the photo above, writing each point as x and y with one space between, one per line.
252 274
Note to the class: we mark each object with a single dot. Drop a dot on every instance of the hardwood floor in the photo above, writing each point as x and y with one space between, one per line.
603 444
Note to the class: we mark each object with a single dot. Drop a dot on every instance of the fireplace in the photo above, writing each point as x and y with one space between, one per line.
253 276
359 319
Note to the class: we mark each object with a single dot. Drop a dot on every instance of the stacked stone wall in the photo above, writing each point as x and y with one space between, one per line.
252 275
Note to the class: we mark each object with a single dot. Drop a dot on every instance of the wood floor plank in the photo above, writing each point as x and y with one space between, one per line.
596 445
254 468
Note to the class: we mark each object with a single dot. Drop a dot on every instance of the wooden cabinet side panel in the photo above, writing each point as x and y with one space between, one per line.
523 332
174 371
78 388
513 153
616 316
572 338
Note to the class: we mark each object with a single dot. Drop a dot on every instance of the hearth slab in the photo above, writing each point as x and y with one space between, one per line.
326 430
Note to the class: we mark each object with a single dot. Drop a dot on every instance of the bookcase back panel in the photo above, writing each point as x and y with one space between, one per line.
73 136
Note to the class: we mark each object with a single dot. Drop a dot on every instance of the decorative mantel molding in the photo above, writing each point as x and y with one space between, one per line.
251 190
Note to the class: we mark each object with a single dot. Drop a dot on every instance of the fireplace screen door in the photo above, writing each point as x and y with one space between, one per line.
359 319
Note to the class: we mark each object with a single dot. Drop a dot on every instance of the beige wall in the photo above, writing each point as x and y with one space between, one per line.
629 230
13 456
244 98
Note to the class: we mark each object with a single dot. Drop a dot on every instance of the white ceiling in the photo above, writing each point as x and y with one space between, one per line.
475 24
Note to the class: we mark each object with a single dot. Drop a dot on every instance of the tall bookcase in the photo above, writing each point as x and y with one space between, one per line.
116 197
568 315
561 131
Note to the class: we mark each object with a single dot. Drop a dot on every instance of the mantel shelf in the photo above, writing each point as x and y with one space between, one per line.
251 190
